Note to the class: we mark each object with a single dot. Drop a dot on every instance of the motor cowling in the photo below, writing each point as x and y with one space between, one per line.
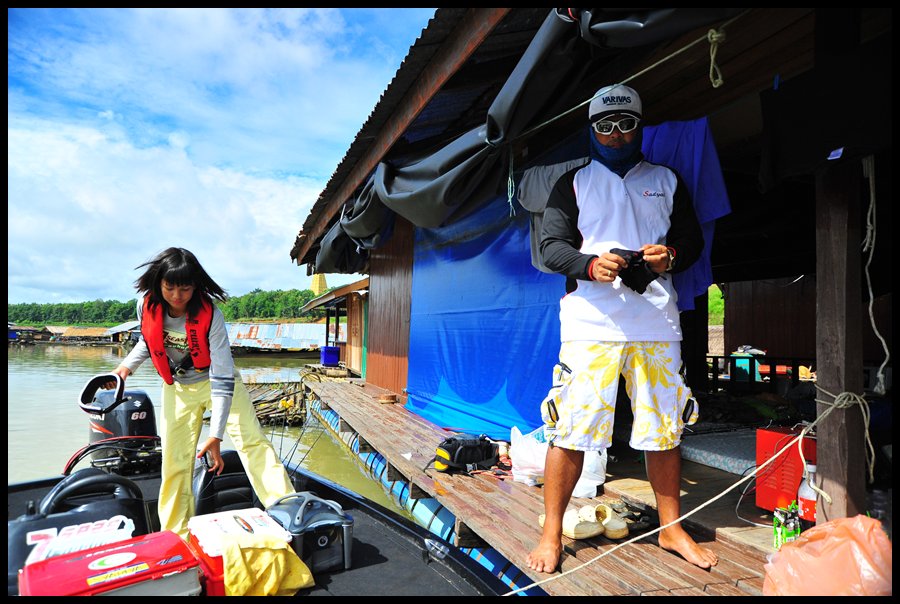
123 439
133 417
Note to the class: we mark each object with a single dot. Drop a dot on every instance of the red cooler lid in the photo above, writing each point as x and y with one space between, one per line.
108 567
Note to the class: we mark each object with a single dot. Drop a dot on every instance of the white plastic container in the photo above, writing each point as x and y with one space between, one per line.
806 498
209 529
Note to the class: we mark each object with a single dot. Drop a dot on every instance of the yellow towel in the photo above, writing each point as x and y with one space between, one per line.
262 565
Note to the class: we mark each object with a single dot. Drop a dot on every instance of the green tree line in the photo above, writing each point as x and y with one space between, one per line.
258 304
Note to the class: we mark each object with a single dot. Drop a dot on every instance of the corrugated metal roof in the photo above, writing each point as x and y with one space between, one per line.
128 326
276 336
336 293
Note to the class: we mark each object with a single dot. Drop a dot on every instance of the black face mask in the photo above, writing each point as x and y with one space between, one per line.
619 160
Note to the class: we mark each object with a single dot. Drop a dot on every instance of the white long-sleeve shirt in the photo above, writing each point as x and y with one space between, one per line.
592 210
221 373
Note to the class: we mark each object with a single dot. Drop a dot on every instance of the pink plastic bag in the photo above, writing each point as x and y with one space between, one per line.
843 557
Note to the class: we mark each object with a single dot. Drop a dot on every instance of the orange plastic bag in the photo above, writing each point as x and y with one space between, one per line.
843 557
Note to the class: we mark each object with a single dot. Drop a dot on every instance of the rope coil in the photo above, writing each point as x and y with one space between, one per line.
715 74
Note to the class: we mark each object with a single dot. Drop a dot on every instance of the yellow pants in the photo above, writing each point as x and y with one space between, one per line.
183 406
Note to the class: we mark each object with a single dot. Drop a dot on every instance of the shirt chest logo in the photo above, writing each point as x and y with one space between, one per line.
649 193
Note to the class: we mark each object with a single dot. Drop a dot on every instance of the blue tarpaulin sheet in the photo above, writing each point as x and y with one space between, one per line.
484 325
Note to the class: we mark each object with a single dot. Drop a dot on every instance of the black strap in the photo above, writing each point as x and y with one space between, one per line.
485 464
187 362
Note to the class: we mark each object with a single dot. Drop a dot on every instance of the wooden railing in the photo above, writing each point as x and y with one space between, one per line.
754 373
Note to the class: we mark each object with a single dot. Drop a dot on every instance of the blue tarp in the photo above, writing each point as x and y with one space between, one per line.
688 148
484 325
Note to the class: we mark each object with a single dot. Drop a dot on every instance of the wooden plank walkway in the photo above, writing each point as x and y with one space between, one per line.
503 513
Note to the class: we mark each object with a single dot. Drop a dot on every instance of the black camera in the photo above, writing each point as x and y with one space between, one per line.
637 274
634 258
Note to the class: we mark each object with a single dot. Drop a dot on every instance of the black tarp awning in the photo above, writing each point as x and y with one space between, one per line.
436 187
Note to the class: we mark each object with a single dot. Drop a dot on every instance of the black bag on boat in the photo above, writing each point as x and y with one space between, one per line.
466 453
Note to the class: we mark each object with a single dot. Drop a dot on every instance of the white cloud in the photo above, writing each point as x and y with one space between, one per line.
100 206
133 130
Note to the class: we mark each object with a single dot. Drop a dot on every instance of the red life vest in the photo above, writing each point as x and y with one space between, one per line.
197 336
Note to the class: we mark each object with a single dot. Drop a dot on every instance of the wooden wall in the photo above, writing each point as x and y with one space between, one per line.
779 316
355 327
775 315
390 285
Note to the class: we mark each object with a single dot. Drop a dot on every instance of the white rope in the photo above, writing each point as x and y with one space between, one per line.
869 245
511 184
715 74
845 400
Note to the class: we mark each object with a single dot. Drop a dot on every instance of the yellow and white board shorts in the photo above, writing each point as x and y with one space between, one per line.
579 410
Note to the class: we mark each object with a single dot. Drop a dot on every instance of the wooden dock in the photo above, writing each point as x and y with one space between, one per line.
503 514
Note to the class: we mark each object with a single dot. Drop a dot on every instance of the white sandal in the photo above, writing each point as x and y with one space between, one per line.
574 526
614 526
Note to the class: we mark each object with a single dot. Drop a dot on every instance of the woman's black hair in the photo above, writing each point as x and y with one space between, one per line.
179 267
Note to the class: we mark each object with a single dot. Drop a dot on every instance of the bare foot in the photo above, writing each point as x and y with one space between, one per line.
545 557
677 540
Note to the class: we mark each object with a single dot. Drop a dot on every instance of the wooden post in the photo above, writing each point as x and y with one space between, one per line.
393 474
417 492
840 448
695 345
466 537
327 324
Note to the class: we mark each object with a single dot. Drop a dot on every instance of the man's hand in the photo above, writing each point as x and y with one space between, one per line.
657 256
212 446
606 268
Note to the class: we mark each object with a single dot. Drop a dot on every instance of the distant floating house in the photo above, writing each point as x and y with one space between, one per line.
349 302
56 331
87 335
23 334
126 332
276 337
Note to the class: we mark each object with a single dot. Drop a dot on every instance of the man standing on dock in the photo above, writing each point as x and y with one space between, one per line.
615 228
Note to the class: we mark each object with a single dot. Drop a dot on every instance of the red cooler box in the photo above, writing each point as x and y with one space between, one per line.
207 531
160 564
777 483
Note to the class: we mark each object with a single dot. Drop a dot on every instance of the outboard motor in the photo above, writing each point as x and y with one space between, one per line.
97 505
123 437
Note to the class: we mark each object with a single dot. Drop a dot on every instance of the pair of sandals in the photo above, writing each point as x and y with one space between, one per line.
592 521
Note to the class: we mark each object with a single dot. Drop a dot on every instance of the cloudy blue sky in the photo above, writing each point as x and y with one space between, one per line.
132 130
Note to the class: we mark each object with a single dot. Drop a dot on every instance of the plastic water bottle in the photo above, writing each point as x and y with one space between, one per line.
806 498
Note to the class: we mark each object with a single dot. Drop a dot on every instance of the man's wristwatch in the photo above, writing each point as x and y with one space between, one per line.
671 253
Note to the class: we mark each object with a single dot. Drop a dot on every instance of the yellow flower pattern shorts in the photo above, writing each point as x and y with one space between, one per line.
579 410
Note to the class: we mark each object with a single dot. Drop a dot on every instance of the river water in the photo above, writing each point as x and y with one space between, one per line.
45 426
